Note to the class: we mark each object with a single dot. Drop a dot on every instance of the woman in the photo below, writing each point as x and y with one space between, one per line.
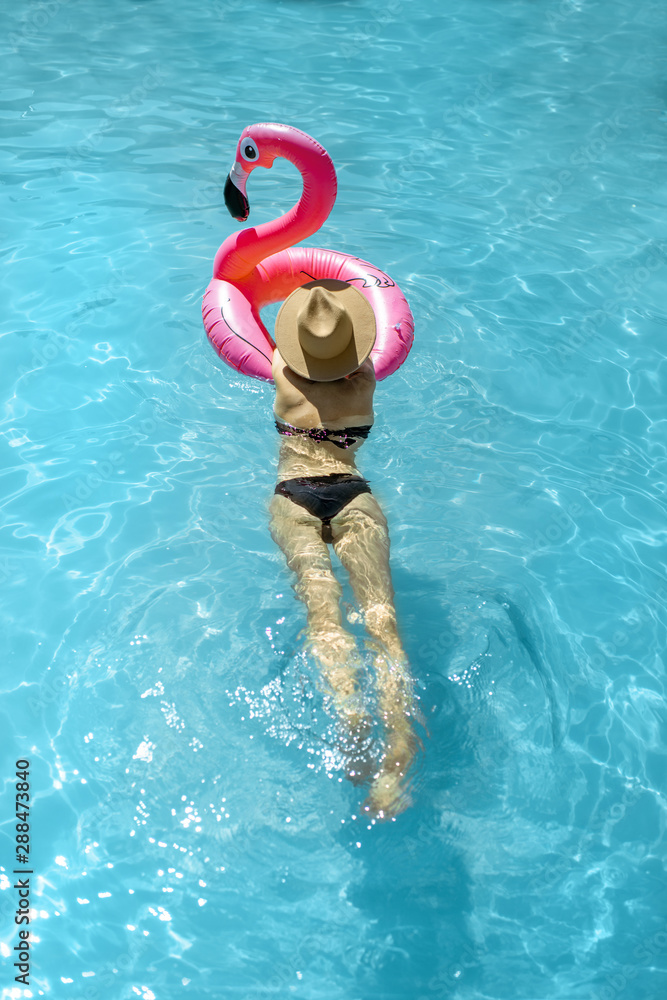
325 383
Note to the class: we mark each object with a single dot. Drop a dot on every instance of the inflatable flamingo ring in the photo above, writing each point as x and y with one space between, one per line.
255 267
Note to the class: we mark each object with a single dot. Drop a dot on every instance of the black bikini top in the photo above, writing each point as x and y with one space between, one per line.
341 438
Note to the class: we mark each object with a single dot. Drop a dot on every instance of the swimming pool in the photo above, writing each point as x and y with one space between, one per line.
192 833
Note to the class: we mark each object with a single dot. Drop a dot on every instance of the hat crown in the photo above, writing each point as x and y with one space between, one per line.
324 325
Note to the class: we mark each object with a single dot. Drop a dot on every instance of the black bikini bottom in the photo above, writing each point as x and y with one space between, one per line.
324 496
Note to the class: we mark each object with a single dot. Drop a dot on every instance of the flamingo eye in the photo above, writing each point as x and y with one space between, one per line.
249 149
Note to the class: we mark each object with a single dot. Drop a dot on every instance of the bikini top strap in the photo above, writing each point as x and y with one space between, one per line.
340 438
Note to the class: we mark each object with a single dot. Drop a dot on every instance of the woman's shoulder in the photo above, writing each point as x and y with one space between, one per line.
366 373
287 382
278 366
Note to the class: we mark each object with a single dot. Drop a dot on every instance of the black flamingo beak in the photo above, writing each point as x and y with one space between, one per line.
235 196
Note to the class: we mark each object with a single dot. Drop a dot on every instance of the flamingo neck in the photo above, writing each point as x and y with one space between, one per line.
244 250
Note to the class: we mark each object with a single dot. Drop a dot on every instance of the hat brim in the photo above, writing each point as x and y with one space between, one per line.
357 351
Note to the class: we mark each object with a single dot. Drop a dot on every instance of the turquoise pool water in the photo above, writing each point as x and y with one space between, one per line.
192 835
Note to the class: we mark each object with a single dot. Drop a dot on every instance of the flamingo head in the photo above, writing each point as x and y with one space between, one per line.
257 147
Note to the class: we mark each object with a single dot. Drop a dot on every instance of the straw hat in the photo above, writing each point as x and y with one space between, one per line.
325 330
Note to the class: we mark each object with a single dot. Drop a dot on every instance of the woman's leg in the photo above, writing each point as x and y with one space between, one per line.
361 542
299 535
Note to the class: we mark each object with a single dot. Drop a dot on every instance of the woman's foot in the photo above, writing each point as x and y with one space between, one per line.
357 746
354 722
341 666
389 794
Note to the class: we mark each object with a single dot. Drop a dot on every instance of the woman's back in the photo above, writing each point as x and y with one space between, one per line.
323 404
342 405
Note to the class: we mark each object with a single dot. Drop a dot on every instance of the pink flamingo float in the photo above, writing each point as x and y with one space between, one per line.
255 267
